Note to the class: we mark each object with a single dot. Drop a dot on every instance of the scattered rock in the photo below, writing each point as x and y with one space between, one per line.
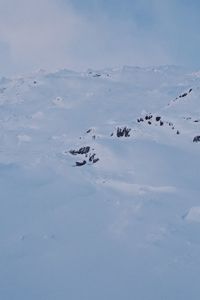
148 117
183 95
123 132
196 139
97 75
92 157
158 118
83 150
95 160
79 164
140 120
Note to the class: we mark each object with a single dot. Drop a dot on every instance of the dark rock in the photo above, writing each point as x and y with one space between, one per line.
92 157
80 163
158 118
123 132
89 130
178 132
96 75
73 152
95 160
140 120
196 139
161 123
83 150
149 122
183 95
190 90
148 117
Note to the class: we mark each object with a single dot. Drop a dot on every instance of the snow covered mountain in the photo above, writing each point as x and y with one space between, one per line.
99 185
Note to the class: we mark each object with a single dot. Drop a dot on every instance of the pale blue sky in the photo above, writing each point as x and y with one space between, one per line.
79 34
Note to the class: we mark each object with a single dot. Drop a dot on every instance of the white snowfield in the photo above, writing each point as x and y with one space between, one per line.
100 185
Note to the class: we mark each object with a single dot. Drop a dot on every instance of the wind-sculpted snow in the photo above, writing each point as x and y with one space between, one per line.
99 180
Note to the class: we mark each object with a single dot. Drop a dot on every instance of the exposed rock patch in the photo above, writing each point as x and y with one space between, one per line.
196 139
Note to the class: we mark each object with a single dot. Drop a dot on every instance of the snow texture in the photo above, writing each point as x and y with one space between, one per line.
99 181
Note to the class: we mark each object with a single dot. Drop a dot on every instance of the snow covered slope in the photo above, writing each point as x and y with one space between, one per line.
99 185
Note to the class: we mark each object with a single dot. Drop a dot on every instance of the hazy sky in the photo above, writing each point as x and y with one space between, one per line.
81 34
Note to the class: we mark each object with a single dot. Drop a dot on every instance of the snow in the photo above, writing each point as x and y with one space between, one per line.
123 227
193 214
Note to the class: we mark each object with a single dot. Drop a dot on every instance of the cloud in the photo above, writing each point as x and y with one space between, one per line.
47 34
38 33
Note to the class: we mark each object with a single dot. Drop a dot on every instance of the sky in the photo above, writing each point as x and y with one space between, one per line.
77 34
